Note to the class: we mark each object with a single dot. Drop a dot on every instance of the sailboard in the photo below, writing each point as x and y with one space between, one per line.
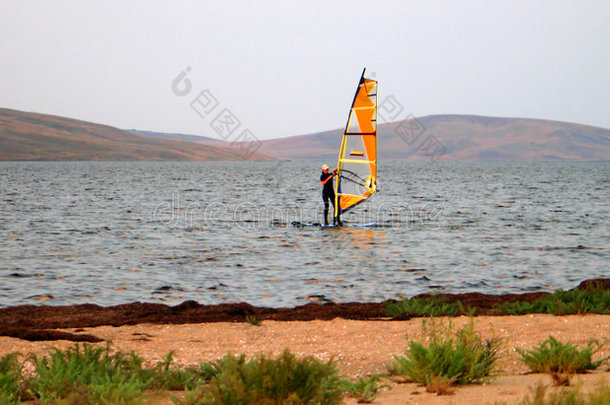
356 179
310 224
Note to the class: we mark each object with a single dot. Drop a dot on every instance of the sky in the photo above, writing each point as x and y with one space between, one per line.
282 68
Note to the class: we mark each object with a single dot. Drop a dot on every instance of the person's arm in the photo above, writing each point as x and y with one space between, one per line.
328 178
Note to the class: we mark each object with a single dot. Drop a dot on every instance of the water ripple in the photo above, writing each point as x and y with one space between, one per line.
111 233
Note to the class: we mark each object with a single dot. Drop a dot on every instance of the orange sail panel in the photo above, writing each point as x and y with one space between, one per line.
356 178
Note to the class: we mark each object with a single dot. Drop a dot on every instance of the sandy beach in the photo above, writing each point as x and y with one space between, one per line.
360 348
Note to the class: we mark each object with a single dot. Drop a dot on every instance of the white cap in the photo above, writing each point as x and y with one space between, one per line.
324 167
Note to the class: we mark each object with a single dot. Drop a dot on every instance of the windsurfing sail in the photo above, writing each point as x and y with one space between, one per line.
356 179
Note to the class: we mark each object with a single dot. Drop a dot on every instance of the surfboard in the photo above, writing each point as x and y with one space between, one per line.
317 224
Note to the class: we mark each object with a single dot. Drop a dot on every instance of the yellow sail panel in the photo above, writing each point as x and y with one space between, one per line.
357 165
348 201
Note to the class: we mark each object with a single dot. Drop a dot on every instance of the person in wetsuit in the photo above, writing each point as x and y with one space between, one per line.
328 193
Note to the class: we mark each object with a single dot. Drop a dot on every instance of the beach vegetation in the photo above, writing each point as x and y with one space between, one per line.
441 385
10 375
424 307
578 301
87 374
285 379
166 375
253 320
90 374
540 395
446 357
365 390
592 299
562 360
194 396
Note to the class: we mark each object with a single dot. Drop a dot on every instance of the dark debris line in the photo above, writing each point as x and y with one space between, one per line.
37 322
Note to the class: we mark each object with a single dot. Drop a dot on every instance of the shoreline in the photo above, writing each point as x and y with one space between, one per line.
40 322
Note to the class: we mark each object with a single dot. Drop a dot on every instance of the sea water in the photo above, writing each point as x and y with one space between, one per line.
111 233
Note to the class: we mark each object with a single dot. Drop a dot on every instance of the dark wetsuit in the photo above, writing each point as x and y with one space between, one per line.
328 193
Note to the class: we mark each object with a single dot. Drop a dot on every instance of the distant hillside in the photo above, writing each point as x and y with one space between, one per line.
172 136
33 136
465 138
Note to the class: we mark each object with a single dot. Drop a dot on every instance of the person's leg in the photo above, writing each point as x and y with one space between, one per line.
325 198
336 219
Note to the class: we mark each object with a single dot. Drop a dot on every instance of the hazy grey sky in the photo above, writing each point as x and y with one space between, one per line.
286 68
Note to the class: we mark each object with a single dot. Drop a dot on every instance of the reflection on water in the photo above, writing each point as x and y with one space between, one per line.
112 233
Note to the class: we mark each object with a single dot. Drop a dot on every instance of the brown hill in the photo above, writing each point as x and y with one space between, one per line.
461 138
33 136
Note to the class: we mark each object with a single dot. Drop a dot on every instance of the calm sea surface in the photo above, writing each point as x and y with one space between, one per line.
111 233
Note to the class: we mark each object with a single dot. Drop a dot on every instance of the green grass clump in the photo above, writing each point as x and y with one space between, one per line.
166 376
577 301
10 374
424 306
88 375
567 396
253 320
544 305
561 360
590 300
94 375
262 380
448 358
365 389
593 299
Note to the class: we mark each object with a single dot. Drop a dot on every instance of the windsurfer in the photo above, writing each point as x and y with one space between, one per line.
328 193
